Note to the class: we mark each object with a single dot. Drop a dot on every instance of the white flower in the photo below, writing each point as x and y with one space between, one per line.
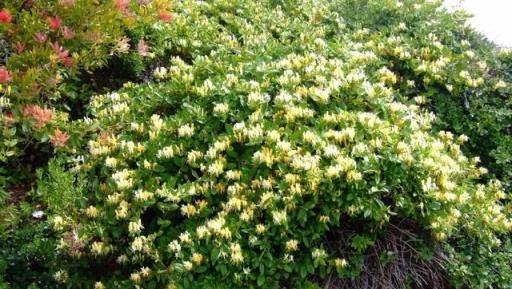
283 97
306 162
160 72
120 108
188 265
284 146
111 162
37 214
143 195
138 243
135 227
205 88
165 153
470 54
157 122
61 276
273 135
185 238
255 132
216 168
122 179
186 130
233 175
4 102
221 109
308 136
340 263
318 253
254 99
331 151
239 126
202 232
236 253
175 247
279 217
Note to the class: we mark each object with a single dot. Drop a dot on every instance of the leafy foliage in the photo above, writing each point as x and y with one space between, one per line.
52 57
263 144
258 140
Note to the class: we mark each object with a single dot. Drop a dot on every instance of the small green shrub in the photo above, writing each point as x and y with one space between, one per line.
57 189
27 256
478 265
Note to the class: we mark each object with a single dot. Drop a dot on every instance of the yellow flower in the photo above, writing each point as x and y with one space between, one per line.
236 253
91 212
188 210
135 227
221 109
145 271
324 219
111 162
279 217
500 84
58 223
122 210
340 263
193 156
98 248
260 229
233 175
292 245
135 278
61 276
188 265
186 130
197 258
440 236
202 232
143 195
264 156
185 238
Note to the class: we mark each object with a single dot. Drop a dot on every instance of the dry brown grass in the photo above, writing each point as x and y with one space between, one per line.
408 269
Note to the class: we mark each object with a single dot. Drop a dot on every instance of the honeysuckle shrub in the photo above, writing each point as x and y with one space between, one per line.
442 63
275 123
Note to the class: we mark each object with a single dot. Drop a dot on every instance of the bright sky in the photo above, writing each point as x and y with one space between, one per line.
493 18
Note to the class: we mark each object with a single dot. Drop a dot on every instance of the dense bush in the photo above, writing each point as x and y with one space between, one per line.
451 70
285 144
462 78
273 126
